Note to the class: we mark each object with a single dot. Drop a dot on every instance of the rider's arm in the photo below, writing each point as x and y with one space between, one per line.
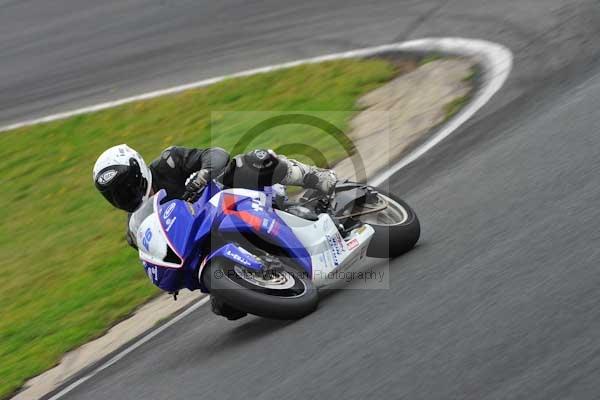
213 160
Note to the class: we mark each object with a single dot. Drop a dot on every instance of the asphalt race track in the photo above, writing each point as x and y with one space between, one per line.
501 298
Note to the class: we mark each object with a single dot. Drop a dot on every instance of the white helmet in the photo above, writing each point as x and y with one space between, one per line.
123 178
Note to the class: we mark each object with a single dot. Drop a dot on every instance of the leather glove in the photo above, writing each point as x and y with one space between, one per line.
194 185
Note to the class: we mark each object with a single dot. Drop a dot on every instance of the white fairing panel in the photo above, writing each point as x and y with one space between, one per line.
136 218
329 251
152 243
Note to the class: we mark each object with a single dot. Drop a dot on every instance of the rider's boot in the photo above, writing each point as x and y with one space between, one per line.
225 310
308 176
261 167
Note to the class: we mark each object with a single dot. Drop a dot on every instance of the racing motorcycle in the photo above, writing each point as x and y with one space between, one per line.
263 254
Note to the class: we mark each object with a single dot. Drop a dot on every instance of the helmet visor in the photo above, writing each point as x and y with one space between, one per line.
126 186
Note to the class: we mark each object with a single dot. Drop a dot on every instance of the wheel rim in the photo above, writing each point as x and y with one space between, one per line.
279 283
394 214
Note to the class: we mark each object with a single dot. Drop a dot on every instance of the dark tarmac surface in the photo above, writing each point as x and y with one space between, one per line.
501 298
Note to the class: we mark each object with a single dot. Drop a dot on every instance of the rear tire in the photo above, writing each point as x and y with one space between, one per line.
393 240
224 280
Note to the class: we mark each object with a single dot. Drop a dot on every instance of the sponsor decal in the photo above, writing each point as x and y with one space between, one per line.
237 258
152 272
170 222
107 176
257 204
352 244
169 210
147 238
243 250
336 244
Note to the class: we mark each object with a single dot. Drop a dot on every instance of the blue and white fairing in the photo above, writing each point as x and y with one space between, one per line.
174 241
162 239
171 238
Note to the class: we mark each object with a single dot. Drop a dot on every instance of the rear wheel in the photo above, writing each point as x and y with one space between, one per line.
397 228
280 294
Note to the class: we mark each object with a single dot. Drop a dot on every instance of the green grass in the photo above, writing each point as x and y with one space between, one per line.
472 75
455 106
430 58
67 272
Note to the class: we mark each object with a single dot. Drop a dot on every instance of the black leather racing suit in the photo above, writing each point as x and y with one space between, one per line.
176 164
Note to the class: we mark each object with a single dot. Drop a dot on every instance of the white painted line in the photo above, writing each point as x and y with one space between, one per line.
496 63
131 348
487 53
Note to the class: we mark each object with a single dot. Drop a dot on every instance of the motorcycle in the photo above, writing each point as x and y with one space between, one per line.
263 254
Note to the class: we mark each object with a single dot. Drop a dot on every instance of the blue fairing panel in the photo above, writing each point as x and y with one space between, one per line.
167 279
187 229
243 214
177 222
237 255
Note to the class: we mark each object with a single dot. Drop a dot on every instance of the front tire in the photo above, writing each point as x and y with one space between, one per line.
289 295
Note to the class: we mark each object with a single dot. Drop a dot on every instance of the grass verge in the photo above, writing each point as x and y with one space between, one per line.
457 104
68 274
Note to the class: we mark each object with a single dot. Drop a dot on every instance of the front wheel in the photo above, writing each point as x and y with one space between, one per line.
281 294
397 228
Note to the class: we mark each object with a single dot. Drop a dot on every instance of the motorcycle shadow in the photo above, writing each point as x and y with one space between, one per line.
248 330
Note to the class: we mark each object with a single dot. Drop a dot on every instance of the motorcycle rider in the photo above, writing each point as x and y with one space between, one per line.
125 180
